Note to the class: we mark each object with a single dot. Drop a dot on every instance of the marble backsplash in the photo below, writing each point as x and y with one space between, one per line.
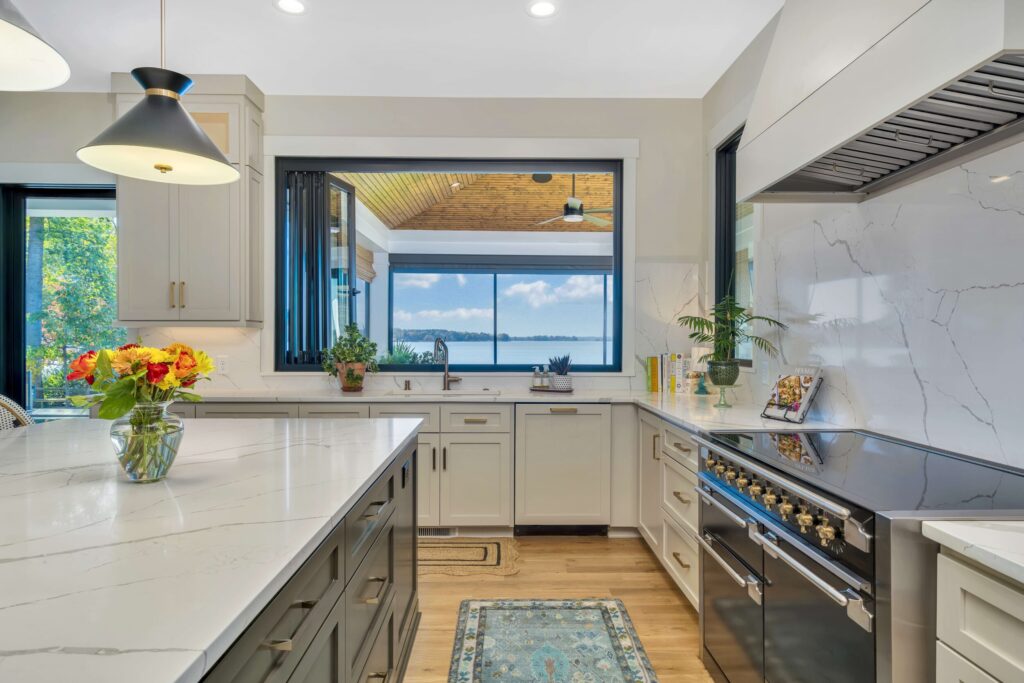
913 302
663 291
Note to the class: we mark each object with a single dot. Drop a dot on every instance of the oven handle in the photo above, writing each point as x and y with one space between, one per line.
752 585
705 495
848 598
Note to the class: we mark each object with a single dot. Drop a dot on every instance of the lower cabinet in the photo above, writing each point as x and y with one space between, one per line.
649 450
563 464
428 480
324 628
475 480
247 410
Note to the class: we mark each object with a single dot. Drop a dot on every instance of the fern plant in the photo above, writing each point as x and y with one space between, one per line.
728 326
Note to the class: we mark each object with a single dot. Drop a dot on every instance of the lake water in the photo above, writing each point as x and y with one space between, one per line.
521 352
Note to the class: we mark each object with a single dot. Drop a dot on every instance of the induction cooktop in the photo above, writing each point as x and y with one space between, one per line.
883 474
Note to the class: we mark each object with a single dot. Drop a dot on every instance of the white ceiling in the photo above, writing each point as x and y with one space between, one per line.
437 48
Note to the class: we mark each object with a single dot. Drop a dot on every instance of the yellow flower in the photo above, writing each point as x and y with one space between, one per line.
204 364
170 381
176 348
127 360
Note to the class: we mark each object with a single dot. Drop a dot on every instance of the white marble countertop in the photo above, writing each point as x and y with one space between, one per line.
104 580
687 410
998 545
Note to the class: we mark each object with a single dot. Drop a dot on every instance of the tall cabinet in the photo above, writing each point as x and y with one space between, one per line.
192 254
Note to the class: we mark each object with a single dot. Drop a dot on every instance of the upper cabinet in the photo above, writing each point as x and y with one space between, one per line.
194 254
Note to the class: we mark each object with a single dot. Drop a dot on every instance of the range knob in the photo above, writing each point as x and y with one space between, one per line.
826 532
710 462
805 519
785 508
755 489
742 481
769 498
730 474
720 468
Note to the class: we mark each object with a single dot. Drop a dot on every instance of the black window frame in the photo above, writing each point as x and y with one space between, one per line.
12 272
725 221
427 165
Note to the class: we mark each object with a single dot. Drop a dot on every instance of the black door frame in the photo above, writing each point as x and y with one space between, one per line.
12 273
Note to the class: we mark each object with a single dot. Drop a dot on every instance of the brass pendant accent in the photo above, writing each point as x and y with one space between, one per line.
163 168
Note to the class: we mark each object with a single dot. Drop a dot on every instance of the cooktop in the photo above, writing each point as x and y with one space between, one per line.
883 474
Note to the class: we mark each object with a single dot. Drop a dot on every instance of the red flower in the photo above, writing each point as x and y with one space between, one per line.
83 367
125 347
155 372
189 383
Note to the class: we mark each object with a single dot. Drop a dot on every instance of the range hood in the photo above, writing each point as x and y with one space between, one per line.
898 89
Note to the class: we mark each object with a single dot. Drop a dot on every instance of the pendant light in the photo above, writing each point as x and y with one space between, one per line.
27 62
156 139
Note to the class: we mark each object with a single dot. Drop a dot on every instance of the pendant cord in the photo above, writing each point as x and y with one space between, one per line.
163 34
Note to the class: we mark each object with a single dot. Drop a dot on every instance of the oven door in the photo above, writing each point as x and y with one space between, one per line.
732 621
817 627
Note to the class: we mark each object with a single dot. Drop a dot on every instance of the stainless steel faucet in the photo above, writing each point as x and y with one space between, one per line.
439 347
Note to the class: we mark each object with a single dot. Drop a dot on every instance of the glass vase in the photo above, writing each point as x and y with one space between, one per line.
146 441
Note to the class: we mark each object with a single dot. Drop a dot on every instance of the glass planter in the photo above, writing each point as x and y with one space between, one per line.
146 441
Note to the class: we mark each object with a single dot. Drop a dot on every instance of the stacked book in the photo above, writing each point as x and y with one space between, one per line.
667 373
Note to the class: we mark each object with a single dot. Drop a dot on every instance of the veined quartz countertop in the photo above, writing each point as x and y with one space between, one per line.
104 580
692 412
998 545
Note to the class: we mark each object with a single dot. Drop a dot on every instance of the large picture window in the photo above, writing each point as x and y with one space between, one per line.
509 262
734 238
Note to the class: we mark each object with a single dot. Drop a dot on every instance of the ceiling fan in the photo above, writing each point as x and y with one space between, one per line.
573 211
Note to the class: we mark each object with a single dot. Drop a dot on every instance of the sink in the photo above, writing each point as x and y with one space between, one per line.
453 393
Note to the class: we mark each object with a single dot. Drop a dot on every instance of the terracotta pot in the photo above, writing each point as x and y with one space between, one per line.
350 376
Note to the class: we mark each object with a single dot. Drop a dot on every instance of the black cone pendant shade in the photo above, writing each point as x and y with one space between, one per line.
157 139
27 62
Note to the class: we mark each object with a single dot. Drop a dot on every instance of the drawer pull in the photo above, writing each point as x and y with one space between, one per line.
654 447
379 505
564 411
376 677
475 420
375 598
679 559
304 604
681 447
681 498
433 457
284 645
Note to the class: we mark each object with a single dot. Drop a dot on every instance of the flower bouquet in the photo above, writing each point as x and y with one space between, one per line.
134 385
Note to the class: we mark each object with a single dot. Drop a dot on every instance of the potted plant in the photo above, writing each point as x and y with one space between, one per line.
560 365
728 325
351 357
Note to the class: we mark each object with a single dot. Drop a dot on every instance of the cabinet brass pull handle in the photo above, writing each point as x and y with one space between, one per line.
433 457
564 411
475 420
679 559
681 447
654 453
375 598
172 294
681 498
284 645
303 604
380 505
444 458
377 677
181 293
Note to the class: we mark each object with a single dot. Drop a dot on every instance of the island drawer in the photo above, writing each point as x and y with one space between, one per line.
380 664
476 417
430 413
369 594
326 654
367 518
270 649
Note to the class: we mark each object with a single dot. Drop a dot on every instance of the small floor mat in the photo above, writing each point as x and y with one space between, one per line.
468 556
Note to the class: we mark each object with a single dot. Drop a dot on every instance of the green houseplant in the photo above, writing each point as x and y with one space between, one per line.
728 326
560 365
350 358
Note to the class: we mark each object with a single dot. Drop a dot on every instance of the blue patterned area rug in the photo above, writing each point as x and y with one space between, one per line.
548 641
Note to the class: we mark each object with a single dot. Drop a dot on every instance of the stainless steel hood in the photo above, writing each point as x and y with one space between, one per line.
944 84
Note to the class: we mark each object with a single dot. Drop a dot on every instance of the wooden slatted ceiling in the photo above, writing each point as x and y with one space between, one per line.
492 201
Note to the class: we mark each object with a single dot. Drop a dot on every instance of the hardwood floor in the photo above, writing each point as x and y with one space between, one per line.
564 568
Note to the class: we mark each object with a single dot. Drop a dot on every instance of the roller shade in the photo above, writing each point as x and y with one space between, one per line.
364 264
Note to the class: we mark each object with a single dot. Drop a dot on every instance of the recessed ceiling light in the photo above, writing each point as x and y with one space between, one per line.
541 9
998 178
290 6
456 185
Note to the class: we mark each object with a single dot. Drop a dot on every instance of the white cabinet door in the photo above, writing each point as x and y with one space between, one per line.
476 480
563 464
209 229
428 480
334 411
649 451
147 251
254 228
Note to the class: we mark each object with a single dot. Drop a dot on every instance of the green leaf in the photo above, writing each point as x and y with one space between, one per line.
186 396
103 368
119 399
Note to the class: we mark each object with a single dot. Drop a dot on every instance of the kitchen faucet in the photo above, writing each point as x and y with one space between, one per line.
440 346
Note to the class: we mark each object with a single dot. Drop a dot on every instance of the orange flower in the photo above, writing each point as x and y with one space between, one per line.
83 367
185 365
177 348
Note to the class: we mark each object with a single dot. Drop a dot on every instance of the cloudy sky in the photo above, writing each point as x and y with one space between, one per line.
528 304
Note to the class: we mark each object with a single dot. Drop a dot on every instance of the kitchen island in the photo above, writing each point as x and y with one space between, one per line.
104 580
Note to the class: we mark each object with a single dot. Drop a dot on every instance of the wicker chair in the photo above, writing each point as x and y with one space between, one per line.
12 415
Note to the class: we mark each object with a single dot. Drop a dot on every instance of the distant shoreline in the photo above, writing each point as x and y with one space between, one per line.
451 335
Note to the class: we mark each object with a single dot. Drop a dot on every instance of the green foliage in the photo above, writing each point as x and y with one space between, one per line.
560 365
78 295
727 327
351 347
402 353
